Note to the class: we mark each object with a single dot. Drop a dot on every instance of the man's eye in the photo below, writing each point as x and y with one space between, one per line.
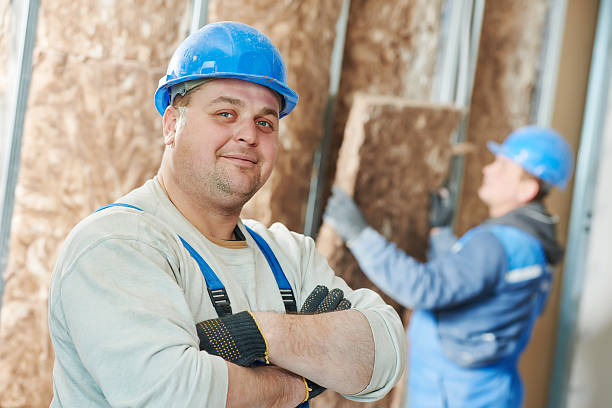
226 114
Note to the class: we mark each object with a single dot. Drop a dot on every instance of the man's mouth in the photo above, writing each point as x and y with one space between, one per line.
239 158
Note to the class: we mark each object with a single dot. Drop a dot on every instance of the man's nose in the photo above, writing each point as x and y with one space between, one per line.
247 132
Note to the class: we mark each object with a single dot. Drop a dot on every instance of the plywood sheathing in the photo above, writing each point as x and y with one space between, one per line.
506 75
304 32
91 134
394 152
391 49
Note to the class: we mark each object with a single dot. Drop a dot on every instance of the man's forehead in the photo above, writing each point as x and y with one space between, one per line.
231 88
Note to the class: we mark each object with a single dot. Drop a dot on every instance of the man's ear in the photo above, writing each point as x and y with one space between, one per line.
528 190
169 123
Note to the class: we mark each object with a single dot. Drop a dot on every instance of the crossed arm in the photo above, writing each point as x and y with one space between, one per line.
335 350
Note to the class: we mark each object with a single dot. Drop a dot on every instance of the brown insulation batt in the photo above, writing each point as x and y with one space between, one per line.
304 32
91 134
391 49
394 152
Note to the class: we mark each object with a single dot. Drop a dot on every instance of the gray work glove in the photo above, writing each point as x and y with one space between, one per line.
441 207
343 215
323 300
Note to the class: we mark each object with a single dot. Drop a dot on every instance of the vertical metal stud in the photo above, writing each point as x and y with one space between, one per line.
11 156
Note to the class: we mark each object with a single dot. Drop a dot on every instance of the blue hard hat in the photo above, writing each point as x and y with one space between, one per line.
227 50
542 152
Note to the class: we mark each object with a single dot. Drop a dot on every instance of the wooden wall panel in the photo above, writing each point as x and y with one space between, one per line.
394 152
304 32
91 135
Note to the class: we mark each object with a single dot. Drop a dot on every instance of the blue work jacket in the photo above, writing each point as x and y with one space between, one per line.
474 304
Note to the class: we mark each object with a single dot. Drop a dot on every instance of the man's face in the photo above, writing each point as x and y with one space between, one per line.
225 142
505 186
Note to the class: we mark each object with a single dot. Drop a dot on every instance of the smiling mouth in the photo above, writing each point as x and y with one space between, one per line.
240 159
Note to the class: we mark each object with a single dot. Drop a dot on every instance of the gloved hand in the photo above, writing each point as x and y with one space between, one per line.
235 338
343 215
441 207
322 300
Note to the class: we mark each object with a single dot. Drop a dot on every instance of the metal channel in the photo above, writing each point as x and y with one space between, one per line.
318 179
549 64
11 156
462 25
582 203
199 15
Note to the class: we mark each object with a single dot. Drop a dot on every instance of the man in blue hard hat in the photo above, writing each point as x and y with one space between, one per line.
476 300
166 298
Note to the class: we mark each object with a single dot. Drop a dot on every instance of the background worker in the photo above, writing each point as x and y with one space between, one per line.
475 302
168 299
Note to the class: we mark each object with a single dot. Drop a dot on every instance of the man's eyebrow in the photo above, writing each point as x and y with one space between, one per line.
269 111
241 104
227 99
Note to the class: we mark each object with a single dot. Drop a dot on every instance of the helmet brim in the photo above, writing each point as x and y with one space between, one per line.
290 97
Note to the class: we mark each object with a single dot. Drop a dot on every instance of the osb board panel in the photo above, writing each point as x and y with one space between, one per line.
304 32
391 49
394 152
506 74
91 134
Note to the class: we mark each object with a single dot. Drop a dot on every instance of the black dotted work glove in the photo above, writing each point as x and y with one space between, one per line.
441 207
323 300
235 338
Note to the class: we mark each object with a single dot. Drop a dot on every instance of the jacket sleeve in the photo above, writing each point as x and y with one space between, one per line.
132 329
441 243
469 271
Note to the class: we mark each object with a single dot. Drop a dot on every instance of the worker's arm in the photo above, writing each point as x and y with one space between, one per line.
263 387
306 268
335 350
451 279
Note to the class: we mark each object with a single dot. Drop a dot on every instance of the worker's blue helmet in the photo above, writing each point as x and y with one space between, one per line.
227 50
542 152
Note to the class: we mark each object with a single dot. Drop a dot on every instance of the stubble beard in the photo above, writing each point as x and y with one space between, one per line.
229 194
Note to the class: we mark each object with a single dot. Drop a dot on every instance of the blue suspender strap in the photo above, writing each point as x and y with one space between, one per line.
279 275
118 205
216 290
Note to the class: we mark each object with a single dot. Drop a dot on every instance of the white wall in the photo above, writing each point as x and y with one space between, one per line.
589 385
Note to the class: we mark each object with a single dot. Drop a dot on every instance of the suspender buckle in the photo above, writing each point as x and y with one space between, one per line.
220 301
288 300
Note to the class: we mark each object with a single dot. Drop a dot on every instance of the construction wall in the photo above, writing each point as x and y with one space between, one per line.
579 30
589 385
91 134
